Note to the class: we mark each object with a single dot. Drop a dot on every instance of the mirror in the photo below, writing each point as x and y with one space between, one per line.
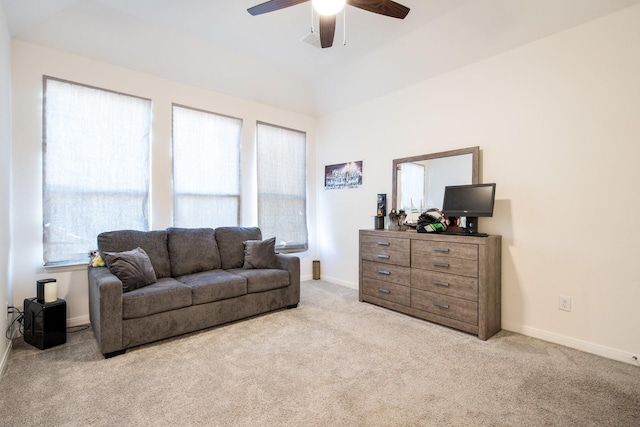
419 181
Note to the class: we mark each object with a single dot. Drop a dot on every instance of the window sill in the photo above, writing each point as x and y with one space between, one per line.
73 266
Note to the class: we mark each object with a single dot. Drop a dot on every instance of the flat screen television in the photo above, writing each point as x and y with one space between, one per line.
470 201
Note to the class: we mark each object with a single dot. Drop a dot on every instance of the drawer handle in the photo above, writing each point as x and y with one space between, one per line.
384 291
385 272
438 283
383 256
441 305
441 264
441 250
384 243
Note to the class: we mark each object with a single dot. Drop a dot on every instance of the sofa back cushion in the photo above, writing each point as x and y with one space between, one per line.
192 250
230 244
154 243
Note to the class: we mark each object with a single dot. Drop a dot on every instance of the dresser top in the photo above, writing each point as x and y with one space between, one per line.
448 237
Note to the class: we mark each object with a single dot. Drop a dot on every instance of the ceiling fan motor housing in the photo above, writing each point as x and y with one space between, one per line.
328 10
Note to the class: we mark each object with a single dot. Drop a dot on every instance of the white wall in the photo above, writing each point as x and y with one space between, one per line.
5 181
558 125
29 63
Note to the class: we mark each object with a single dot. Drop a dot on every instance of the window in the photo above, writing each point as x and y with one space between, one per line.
206 168
282 186
95 167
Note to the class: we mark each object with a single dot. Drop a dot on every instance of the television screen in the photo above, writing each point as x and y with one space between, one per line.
469 200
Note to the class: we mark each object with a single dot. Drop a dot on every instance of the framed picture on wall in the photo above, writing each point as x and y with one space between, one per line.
343 175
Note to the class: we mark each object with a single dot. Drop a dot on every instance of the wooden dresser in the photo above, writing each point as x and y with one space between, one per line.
444 278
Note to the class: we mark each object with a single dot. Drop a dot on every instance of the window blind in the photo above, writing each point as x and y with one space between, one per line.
282 186
95 167
206 168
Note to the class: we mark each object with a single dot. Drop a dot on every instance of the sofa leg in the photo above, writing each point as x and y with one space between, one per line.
114 353
292 306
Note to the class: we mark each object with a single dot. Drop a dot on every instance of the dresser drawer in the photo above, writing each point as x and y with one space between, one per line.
447 284
387 291
445 249
386 272
388 243
443 264
443 305
382 254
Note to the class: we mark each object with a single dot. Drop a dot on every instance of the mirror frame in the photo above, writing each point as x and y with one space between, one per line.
475 162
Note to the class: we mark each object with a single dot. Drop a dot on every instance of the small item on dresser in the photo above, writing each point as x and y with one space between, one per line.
378 223
431 221
396 220
381 209
381 212
402 215
393 221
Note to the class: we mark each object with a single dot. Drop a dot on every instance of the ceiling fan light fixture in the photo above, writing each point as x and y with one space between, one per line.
328 7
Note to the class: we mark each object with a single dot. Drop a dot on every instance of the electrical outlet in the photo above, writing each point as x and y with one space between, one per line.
564 303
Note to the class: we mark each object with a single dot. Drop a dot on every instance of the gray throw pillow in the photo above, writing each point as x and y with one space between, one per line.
133 268
260 253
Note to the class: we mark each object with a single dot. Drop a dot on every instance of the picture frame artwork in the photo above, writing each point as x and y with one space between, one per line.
343 176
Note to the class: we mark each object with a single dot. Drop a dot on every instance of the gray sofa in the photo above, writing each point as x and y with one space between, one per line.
196 279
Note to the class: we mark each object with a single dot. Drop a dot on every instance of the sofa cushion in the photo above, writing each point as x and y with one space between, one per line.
260 254
260 280
154 244
133 268
214 285
192 250
230 244
164 295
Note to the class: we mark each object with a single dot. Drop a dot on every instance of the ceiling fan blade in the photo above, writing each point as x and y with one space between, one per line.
273 5
382 7
327 30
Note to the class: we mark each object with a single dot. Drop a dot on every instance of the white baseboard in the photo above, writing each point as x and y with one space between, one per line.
340 282
588 347
78 321
5 356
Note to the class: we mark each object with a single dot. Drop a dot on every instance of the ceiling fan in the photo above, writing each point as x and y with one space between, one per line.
328 9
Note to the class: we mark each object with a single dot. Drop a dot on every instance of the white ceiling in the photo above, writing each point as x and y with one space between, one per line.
217 45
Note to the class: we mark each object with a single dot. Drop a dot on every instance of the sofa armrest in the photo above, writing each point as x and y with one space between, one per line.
105 308
291 263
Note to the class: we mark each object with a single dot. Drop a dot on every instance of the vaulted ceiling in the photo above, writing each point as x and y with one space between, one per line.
216 44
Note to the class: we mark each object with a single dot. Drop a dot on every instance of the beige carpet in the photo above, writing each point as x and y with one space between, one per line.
333 361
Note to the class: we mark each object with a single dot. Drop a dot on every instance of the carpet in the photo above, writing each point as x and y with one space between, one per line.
333 361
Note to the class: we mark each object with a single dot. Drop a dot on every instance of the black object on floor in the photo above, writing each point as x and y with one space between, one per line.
45 325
